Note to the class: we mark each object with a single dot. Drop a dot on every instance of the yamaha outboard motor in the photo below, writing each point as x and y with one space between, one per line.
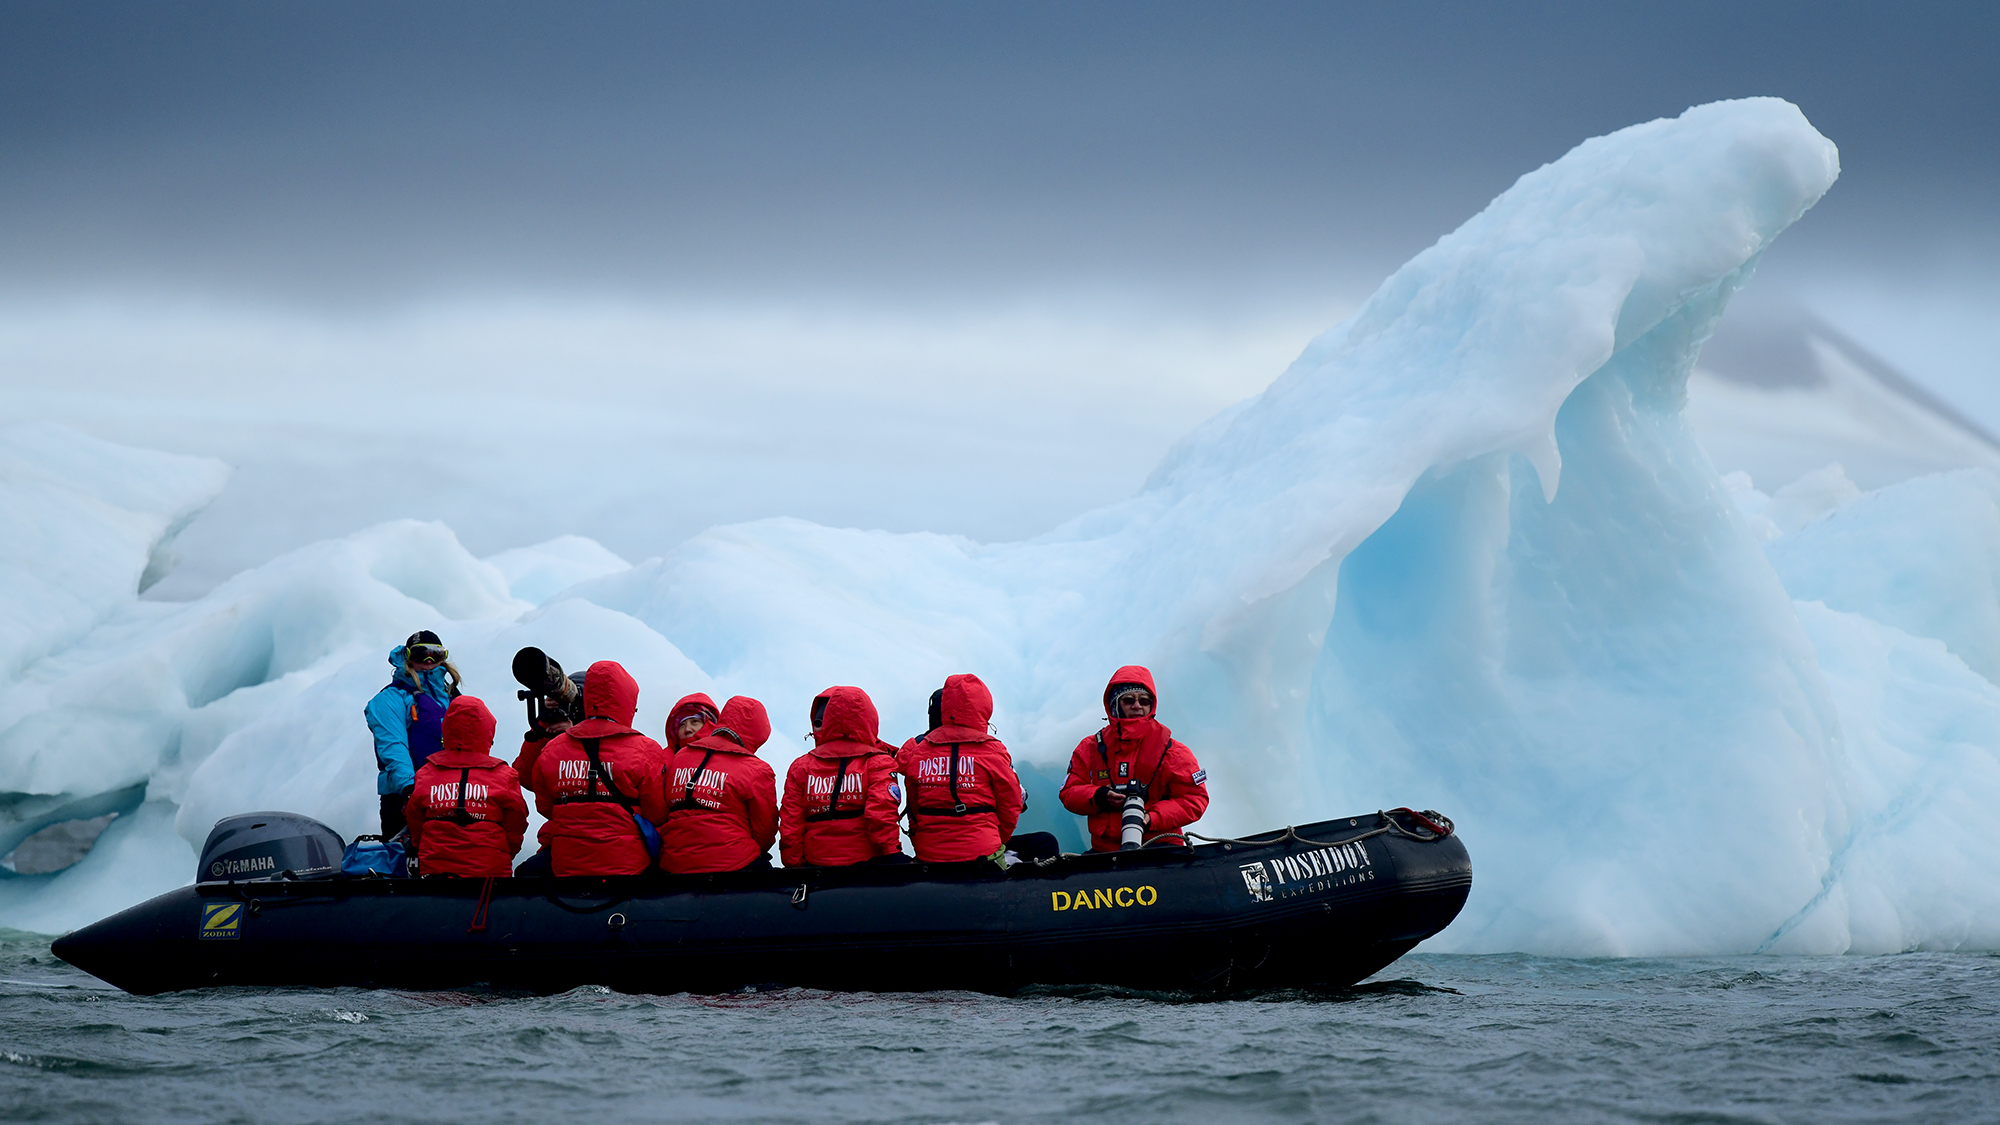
269 845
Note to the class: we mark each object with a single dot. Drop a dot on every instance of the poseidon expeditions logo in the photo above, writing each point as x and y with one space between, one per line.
447 793
706 790
1258 881
574 769
1318 870
823 786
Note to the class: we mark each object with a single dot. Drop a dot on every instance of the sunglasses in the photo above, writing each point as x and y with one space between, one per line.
425 654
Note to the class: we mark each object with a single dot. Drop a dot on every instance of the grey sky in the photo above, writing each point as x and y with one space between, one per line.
628 270
367 151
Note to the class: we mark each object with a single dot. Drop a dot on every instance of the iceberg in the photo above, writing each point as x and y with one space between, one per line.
1923 556
1464 553
90 524
537 573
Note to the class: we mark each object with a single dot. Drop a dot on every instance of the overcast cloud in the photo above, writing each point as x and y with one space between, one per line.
342 245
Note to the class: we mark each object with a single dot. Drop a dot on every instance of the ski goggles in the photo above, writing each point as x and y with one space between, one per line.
428 654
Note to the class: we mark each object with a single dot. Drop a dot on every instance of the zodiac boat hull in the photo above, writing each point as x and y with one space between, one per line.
1323 905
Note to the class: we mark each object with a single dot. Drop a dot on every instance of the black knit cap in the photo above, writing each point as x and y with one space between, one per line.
423 637
1120 691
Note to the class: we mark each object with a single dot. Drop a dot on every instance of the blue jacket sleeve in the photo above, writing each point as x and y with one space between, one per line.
389 719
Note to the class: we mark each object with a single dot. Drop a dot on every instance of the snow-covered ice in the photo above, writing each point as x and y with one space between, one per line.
537 573
88 524
1465 553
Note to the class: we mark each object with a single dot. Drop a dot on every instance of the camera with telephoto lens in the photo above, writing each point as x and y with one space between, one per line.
542 682
1132 817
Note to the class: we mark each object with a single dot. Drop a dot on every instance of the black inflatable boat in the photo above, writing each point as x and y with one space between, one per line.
1320 905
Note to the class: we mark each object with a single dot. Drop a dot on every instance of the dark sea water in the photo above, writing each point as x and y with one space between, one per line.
1432 1039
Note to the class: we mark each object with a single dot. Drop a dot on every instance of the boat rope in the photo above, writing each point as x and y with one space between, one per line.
1437 828
244 893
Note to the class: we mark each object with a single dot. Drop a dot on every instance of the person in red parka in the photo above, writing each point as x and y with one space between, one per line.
553 718
689 720
964 795
591 780
1133 748
466 815
724 810
553 715
840 796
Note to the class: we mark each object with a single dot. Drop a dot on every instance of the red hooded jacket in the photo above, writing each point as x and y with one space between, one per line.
589 831
467 815
840 796
723 810
1141 750
964 795
688 707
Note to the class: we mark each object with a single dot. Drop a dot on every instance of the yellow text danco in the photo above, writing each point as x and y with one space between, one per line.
1103 898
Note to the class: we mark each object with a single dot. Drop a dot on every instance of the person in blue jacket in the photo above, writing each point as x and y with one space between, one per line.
407 719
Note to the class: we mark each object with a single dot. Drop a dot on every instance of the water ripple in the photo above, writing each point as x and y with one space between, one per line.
1487 1039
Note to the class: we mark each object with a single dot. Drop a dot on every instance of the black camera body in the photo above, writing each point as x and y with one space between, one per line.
541 680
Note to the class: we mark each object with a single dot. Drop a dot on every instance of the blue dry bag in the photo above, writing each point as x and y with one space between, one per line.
372 855
648 835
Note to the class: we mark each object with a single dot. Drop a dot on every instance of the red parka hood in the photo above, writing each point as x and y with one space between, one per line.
743 717
689 705
1149 731
967 710
1130 674
848 726
468 725
610 692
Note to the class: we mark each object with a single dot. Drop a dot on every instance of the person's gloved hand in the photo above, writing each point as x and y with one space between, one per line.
409 789
1107 799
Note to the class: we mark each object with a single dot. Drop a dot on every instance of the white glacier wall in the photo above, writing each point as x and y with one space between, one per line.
1918 773
1897 591
119 720
1923 555
535 574
1505 655
88 525
1463 553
